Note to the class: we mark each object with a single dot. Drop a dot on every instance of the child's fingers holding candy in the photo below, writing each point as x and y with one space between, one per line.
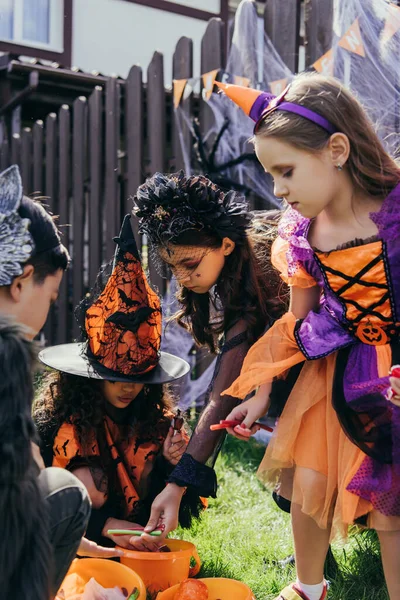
394 392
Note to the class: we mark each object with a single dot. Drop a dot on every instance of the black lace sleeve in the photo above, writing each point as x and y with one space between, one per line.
195 469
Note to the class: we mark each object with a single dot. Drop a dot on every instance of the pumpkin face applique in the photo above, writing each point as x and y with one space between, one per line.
372 334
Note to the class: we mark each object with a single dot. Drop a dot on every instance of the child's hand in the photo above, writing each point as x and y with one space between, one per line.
248 412
130 542
395 385
174 446
93 550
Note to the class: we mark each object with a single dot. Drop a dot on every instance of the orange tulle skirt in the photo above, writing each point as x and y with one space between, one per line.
310 459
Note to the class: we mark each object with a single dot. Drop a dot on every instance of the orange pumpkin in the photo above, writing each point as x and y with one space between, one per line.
192 589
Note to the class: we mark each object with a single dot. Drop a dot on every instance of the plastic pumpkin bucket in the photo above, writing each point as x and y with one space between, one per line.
161 570
107 573
219 588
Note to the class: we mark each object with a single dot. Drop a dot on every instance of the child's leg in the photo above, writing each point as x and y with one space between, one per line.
311 546
390 551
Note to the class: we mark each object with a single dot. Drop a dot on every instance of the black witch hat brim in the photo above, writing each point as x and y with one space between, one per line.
72 359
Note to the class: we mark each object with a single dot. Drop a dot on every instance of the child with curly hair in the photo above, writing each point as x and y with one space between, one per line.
106 413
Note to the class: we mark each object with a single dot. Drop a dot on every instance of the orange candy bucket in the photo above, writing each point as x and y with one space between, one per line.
107 573
161 570
219 588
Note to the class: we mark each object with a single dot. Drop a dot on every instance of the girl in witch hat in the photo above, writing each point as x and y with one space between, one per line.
106 413
338 248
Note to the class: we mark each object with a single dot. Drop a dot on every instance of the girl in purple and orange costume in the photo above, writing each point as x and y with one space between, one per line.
335 452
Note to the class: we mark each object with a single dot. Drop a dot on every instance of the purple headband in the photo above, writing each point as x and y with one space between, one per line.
267 103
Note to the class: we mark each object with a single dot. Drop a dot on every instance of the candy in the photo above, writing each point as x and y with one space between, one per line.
192 589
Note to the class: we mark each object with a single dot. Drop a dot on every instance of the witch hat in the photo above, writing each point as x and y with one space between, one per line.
252 102
122 328
257 104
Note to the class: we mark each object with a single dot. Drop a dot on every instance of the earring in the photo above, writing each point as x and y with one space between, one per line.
339 167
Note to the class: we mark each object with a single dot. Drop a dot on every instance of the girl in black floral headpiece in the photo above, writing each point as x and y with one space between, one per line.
229 295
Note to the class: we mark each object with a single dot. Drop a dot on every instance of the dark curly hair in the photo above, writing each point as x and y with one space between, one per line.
168 205
193 211
249 287
65 398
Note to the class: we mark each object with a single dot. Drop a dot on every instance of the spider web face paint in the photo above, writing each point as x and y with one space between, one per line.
180 261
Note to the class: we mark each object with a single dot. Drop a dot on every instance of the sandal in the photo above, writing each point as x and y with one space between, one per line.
292 593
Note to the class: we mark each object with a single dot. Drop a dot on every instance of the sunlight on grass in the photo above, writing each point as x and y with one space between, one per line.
243 534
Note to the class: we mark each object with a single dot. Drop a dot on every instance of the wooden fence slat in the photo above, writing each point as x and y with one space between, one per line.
4 146
96 213
50 161
156 114
79 127
181 137
112 200
26 160
134 134
156 134
282 24
212 57
16 149
318 28
37 136
16 120
50 188
63 332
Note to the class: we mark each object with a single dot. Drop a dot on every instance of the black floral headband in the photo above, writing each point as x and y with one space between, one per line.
169 205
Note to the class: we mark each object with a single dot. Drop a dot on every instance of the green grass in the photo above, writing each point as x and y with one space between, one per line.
243 534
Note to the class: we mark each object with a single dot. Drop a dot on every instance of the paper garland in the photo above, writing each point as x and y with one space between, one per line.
351 41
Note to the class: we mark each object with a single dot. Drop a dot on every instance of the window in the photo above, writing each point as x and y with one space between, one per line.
38 28
32 23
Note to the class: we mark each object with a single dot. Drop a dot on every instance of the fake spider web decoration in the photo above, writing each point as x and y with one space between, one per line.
374 80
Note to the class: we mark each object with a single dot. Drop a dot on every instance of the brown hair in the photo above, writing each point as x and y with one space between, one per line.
371 168
249 287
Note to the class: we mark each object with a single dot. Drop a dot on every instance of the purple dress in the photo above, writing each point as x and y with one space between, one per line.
351 341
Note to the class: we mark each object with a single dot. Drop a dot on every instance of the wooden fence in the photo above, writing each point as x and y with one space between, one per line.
90 156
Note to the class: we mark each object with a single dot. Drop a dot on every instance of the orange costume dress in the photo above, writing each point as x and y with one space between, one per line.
335 450
125 461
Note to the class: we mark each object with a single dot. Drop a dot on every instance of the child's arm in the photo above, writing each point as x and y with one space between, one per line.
248 412
302 300
97 497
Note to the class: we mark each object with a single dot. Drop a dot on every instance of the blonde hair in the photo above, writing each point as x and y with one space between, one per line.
371 168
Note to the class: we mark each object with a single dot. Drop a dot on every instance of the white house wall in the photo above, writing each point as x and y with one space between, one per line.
110 36
208 5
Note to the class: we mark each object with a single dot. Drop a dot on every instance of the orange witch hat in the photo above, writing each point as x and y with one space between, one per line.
257 104
122 326
252 102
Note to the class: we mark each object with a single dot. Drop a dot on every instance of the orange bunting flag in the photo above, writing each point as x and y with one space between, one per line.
244 81
392 23
324 64
208 83
352 40
179 86
278 86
